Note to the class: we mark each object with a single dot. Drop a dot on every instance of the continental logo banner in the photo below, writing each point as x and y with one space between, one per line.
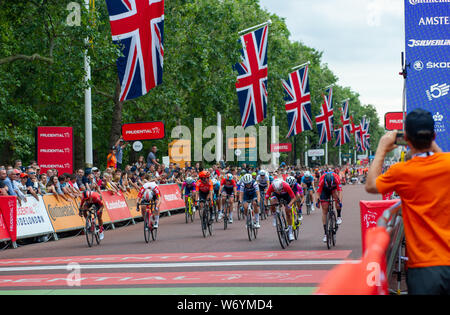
63 214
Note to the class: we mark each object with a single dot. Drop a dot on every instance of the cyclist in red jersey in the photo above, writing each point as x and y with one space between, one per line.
281 190
89 198
329 185
204 189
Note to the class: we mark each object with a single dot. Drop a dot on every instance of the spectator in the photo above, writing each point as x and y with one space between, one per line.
5 179
80 176
3 189
140 162
119 146
18 165
54 188
423 186
111 161
43 183
32 180
151 157
24 188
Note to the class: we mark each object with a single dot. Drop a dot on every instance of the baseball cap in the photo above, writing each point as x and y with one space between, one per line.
419 123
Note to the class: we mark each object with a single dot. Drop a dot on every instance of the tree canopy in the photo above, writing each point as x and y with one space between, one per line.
41 74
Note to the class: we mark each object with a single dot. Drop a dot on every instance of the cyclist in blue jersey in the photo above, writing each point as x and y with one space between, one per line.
250 193
308 187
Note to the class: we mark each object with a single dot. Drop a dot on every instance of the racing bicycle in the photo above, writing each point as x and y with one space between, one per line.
252 231
295 221
91 228
206 220
331 225
189 210
281 225
149 220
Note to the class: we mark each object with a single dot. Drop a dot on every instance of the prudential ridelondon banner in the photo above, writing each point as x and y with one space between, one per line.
427 35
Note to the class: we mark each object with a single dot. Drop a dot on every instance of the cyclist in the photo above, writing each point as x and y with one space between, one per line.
216 195
307 182
329 185
250 193
89 198
263 182
204 189
228 188
150 191
281 190
299 195
188 187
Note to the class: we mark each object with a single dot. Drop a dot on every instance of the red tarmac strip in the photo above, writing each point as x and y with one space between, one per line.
136 279
179 257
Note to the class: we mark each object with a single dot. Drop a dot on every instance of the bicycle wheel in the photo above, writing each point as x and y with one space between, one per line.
89 230
147 227
154 231
96 230
225 215
330 227
308 203
187 213
295 225
239 212
281 232
204 221
210 223
249 224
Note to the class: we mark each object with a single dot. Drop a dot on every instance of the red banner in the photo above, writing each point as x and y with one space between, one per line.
281 147
143 131
116 206
393 121
55 149
370 213
8 208
171 197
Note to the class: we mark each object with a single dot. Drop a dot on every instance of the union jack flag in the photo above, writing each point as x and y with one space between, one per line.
298 101
364 134
138 26
251 85
325 119
343 133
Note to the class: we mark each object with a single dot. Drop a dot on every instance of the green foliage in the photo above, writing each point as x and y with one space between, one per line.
201 46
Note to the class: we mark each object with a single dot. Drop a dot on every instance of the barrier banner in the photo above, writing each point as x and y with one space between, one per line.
4 234
370 212
32 218
55 148
116 206
131 199
8 211
63 214
171 197
427 44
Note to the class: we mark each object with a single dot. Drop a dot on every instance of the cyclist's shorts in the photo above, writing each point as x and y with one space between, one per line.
188 191
97 205
227 191
285 197
326 194
203 195
250 196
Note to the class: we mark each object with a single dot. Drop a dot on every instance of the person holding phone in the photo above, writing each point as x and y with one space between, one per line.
423 186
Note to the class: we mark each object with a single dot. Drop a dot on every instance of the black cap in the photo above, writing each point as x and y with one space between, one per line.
419 123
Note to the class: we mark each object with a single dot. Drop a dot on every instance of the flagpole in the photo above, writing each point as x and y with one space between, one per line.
326 143
269 22
219 138
301 66
87 105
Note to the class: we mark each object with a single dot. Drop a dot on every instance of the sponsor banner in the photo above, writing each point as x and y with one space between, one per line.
8 219
427 44
180 152
281 147
63 214
143 131
54 147
241 143
4 235
171 197
393 121
316 152
370 212
32 218
131 199
116 206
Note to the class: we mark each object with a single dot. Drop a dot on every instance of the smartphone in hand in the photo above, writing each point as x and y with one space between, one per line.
400 138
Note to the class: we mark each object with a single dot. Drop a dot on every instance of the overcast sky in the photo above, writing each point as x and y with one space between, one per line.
361 41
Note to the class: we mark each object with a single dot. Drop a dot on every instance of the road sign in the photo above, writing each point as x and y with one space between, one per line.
316 152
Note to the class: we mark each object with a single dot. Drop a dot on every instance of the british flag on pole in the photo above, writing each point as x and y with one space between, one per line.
364 134
343 133
298 101
251 85
325 119
138 26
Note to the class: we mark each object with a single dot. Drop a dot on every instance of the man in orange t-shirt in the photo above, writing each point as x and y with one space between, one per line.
423 184
111 160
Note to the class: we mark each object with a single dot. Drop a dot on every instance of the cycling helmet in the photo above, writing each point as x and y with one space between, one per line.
271 178
229 177
291 180
247 179
189 180
262 173
277 185
87 194
254 174
243 172
307 174
329 180
203 174
147 195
